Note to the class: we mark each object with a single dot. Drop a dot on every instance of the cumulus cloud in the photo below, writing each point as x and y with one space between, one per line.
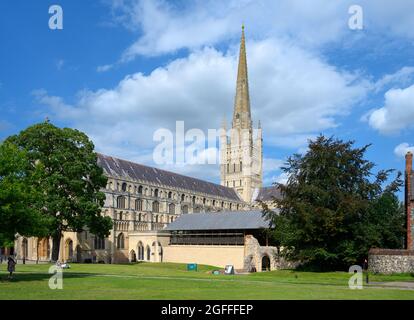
402 149
293 92
198 23
397 112
200 89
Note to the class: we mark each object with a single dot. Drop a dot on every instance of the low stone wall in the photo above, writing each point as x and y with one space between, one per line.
389 261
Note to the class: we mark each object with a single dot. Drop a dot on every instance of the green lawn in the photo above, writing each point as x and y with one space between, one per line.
172 281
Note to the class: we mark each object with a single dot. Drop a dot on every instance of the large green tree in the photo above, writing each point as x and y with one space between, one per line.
334 208
69 180
17 195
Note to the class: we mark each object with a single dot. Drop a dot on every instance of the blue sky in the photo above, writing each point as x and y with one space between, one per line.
120 70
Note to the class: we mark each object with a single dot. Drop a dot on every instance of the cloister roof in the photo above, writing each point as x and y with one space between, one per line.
228 220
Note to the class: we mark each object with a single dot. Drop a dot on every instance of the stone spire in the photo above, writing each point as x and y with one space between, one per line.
241 115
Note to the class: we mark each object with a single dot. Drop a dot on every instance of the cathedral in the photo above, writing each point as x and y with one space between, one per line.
164 216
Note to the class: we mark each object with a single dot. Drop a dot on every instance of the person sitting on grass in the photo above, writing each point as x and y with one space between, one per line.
11 266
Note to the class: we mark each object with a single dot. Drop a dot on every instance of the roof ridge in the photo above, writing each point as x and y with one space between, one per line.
170 173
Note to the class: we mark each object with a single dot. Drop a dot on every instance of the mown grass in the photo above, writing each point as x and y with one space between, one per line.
172 281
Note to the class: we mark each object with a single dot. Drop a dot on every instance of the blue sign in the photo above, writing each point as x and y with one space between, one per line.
192 267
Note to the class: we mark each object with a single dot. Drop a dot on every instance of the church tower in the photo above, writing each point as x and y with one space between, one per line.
241 149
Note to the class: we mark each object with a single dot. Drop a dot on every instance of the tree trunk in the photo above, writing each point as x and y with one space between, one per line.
56 246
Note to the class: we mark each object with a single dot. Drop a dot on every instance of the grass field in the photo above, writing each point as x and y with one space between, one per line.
172 281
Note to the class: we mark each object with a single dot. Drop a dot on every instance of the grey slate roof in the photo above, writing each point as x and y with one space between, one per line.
228 220
126 169
268 193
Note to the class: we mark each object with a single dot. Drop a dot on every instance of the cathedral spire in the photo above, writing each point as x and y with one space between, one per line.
241 115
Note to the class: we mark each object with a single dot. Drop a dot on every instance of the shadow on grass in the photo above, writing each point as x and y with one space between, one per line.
28 276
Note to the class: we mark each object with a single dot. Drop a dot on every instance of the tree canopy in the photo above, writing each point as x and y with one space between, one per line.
17 195
334 208
64 169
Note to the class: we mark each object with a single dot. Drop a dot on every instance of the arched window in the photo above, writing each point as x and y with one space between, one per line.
231 206
156 207
169 195
228 168
148 253
171 208
160 252
133 256
222 204
138 204
156 193
99 243
120 202
194 200
68 250
241 166
182 197
140 251
214 203
124 187
25 248
140 189
204 200
120 241
184 209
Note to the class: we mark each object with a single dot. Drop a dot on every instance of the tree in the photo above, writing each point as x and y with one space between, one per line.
17 214
334 208
69 180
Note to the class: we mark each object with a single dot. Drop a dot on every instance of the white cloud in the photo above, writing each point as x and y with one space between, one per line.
104 68
286 96
277 178
397 112
402 77
198 23
271 165
402 149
